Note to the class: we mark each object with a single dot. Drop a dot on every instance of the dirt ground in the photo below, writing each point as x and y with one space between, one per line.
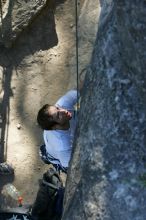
33 73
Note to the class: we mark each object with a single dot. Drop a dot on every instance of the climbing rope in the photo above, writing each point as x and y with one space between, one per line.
77 54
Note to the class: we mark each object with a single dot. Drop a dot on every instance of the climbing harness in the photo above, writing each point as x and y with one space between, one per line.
49 159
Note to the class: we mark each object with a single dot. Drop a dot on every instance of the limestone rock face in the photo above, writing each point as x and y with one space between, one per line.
107 177
17 15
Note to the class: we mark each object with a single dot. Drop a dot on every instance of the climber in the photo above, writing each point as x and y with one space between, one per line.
59 123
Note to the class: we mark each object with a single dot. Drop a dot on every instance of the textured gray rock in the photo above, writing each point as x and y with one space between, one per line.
17 15
107 178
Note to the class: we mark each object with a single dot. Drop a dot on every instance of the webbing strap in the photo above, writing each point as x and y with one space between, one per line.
50 184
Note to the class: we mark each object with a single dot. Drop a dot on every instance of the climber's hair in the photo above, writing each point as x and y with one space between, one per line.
44 120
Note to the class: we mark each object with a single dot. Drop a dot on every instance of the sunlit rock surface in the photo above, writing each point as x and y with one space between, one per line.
87 29
17 15
107 178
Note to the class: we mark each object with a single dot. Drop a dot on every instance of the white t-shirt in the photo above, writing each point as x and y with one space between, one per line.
59 142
